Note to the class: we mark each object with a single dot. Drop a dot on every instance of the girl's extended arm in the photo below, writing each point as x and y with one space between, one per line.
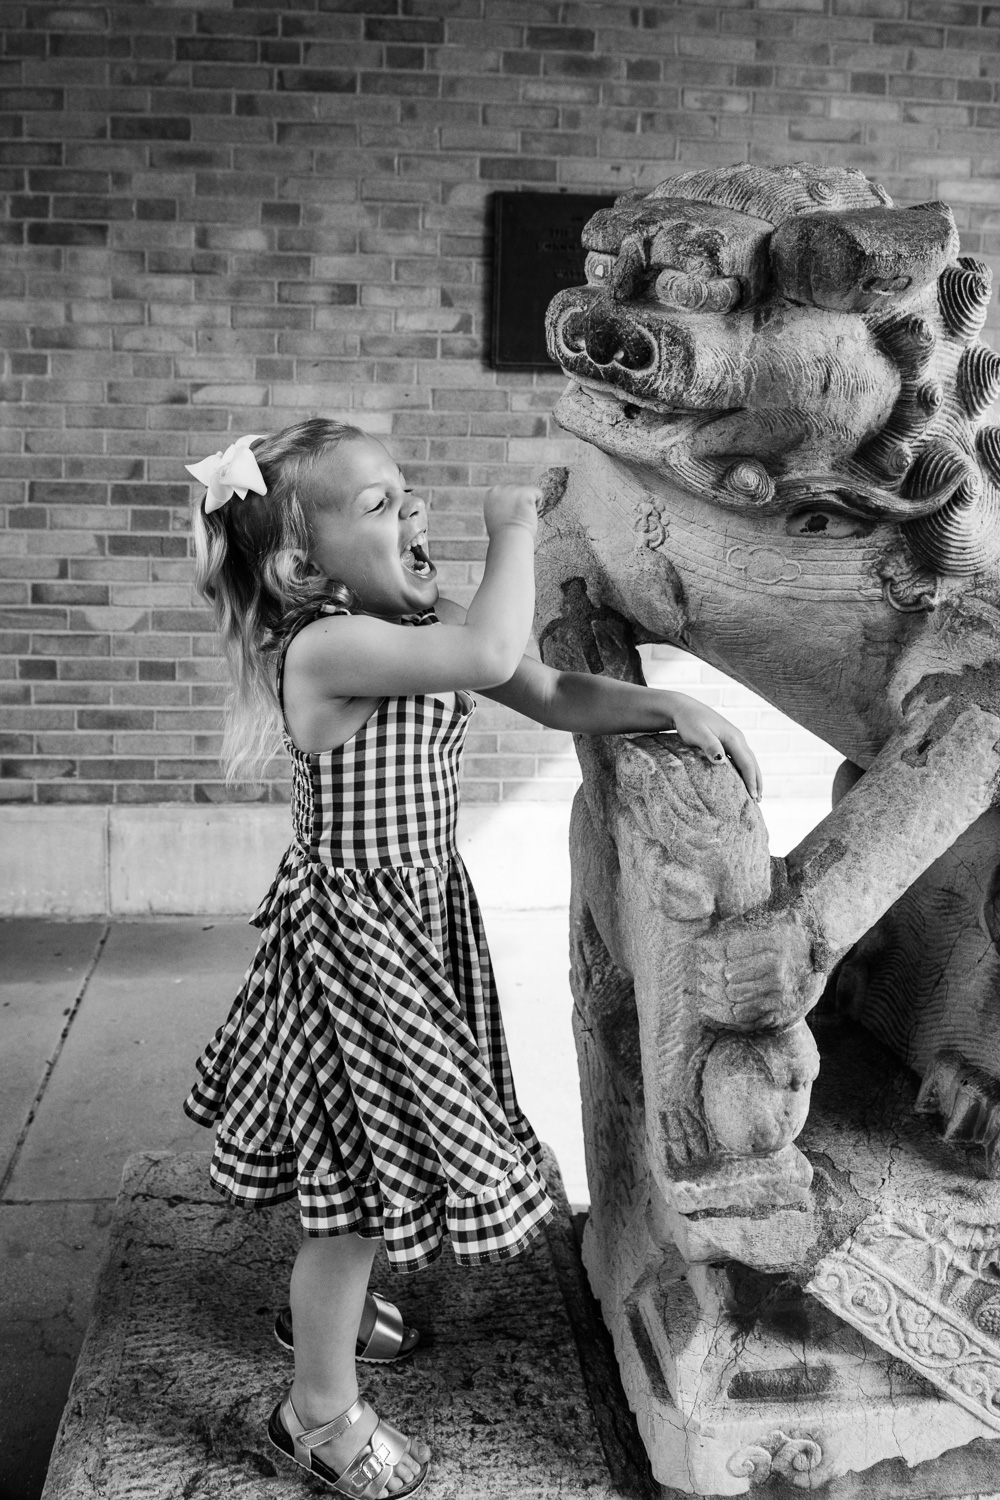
587 704
349 656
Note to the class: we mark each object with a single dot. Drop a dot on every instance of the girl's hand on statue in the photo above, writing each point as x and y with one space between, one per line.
512 505
708 731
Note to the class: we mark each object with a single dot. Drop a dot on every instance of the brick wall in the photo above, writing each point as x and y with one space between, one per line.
223 217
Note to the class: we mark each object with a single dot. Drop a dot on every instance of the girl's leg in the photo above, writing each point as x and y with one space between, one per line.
329 1282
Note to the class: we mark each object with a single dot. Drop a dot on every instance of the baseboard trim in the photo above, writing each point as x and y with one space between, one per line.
167 860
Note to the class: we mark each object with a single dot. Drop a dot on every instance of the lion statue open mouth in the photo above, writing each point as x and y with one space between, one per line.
792 472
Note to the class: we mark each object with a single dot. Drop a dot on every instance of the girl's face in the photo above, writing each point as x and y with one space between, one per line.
368 529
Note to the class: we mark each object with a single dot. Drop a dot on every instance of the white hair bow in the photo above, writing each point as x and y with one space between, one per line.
230 473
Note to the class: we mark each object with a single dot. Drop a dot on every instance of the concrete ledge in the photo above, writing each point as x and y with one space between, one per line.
170 861
208 859
53 861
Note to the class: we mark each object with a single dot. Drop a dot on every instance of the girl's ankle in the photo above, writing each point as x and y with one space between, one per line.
314 1407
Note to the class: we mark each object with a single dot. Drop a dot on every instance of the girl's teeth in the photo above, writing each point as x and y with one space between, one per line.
415 559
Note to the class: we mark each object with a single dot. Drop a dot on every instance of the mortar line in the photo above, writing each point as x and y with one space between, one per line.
49 1068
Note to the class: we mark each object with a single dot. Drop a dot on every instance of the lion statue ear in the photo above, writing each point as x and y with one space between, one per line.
963 535
964 292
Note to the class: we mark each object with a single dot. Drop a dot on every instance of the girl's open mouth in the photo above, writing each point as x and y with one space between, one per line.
415 559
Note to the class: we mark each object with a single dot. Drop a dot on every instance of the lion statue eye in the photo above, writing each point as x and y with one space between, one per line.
598 267
827 523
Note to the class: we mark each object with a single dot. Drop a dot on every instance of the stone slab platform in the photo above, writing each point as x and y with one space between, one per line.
179 1368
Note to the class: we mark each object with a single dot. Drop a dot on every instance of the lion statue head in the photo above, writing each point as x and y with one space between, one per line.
785 341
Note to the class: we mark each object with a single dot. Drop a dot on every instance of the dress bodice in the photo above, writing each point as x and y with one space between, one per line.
390 794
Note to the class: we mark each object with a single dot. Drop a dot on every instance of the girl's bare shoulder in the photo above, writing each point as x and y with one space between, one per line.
315 640
319 713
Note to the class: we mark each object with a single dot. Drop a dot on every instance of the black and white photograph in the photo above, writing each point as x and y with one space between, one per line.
499 749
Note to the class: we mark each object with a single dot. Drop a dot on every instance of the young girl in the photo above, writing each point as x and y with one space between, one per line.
363 1065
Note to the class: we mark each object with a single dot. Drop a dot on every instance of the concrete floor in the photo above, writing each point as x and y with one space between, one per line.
100 1024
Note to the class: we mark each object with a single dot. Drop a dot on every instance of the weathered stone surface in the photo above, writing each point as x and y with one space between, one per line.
718 1359
791 474
179 1369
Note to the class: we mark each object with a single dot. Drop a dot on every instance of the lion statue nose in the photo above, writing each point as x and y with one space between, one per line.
608 340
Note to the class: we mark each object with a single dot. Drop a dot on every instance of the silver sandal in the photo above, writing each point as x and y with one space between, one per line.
368 1472
384 1345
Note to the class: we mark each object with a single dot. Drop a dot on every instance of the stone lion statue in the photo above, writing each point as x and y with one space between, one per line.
791 472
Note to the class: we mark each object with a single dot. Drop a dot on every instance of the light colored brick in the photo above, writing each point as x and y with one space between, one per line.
970 190
865 108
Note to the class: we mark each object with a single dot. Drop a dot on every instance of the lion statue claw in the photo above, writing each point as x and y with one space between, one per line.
756 976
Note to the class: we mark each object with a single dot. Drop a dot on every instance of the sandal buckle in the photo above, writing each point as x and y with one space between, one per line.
373 1465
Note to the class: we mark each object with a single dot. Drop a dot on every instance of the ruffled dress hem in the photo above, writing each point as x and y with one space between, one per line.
512 1212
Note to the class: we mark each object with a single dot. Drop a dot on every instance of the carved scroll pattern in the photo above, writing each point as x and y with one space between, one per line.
910 1288
794 1458
651 523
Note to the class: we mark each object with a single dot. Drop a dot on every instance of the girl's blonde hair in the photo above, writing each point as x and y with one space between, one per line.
251 561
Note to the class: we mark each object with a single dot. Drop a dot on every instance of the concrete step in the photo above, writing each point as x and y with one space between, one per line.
514 1385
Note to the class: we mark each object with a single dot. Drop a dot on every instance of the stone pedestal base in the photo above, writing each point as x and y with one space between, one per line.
179 1369
738 1376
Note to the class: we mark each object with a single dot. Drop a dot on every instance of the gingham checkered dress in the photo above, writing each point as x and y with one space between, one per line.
363 1064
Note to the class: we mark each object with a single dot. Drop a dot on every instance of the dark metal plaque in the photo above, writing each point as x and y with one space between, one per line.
536 253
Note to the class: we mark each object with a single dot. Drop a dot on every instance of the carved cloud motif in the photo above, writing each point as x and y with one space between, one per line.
763 565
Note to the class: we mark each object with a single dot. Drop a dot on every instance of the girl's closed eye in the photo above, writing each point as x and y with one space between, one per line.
383 501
